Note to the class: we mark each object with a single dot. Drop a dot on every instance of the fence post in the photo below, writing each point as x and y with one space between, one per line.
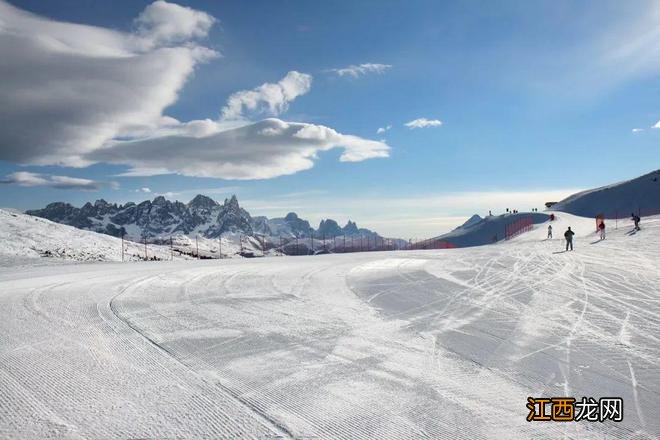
145 249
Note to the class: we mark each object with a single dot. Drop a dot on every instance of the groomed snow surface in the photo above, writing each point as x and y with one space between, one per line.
410 344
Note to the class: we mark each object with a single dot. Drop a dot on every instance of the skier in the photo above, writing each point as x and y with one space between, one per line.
636 219
549 232
569 238
601 228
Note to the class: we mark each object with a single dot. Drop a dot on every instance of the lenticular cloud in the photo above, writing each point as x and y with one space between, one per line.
75 95
260 150
67 88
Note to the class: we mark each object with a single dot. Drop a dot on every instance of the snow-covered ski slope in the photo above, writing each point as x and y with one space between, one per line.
640 195
419 344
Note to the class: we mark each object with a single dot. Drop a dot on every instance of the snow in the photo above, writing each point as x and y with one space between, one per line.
640 195
27 238
406 344
479 231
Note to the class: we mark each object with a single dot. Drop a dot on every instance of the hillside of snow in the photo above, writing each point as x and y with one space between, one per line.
373 345
640 195
24 237
477 231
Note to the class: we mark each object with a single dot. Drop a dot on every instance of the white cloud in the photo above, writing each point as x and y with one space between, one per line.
260 150
359 70
637 130
270 98
144 189
383 129
206 191
76 95
657 125
423 123
166 23
24 178
67 88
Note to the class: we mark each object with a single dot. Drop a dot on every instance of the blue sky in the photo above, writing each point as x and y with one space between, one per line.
536 100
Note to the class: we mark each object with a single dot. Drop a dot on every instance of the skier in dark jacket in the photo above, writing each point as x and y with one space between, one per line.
601 228
569 238
636 219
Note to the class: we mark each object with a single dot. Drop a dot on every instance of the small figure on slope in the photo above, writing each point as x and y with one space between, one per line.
568 235
549 232
601 228
636 219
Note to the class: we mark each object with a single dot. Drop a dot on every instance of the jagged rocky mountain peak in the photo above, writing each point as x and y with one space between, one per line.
291 216
202 201
350 228
232 201
160 200
329 228
201 216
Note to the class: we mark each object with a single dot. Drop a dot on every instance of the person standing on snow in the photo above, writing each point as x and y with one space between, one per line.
569 238
636 219
601 228
549 232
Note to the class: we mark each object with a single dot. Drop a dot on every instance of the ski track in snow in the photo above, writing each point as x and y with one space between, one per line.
418 344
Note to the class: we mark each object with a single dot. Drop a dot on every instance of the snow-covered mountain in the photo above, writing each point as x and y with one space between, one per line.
202 216
640 195
477 231
25 238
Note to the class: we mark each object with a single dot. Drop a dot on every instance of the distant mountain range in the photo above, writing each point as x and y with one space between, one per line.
202 216
207 218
